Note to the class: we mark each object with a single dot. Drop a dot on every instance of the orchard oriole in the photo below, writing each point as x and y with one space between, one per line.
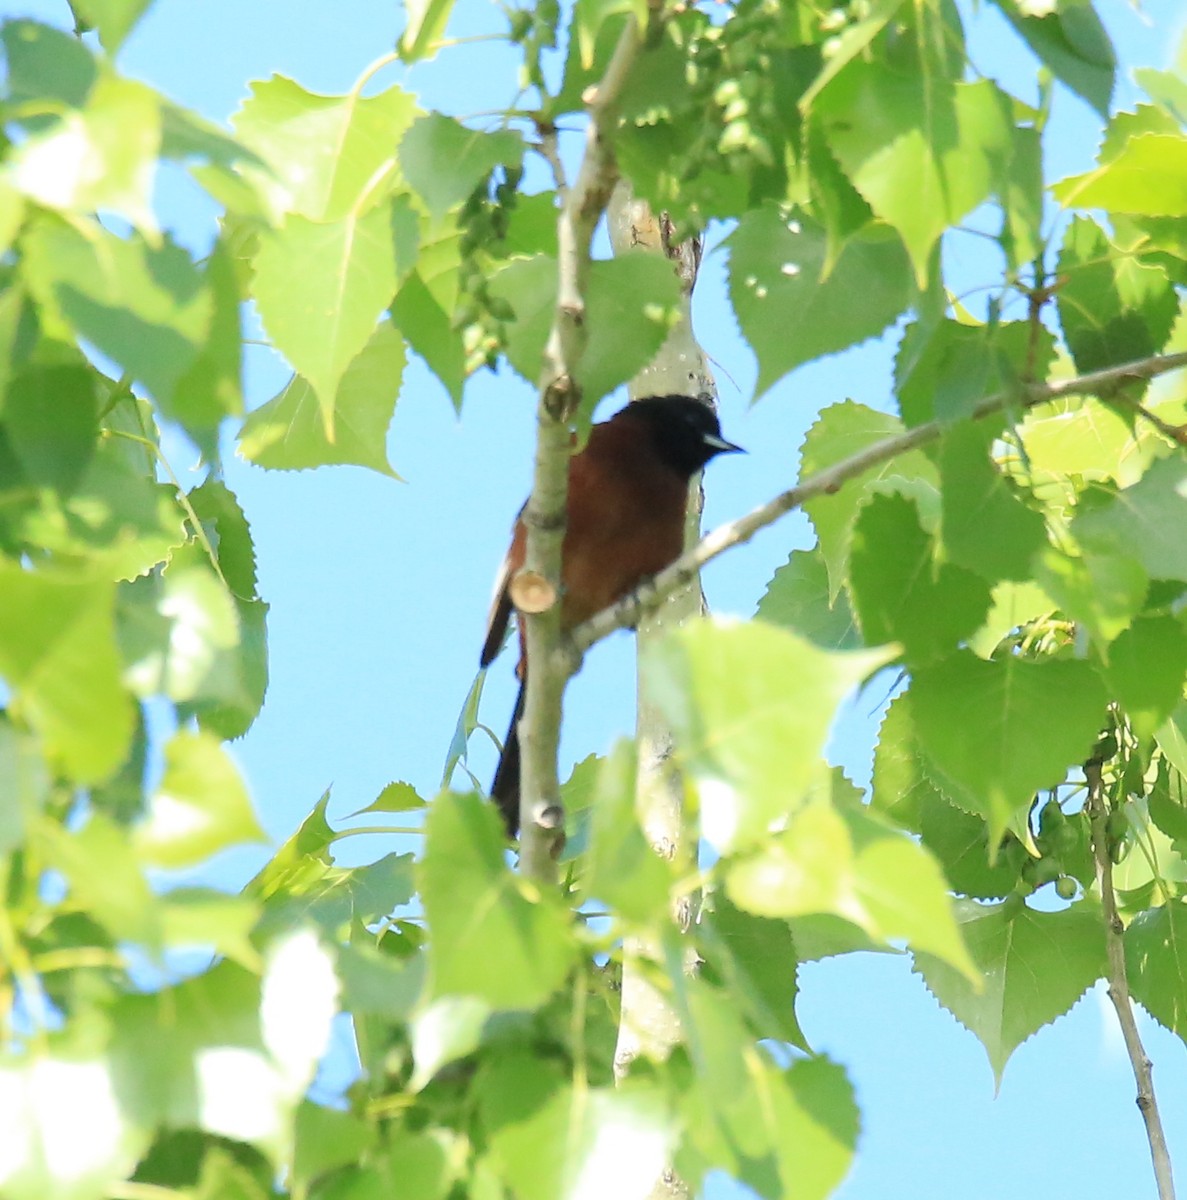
628 490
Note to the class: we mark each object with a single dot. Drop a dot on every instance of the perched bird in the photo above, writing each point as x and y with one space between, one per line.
628 490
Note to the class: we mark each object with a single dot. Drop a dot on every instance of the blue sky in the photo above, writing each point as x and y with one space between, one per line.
379 591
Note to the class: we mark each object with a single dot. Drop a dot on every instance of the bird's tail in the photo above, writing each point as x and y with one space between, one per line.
504 788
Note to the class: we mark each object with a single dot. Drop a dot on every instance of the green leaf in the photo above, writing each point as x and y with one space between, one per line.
214 921
118 520
900 592
104 876
781 1132
288 433
1156 963
301 861
375 984
176 629
24 784
395 798
58 654
750 707
900 784
66 1133
922 150
323 153
960 843
790 310
46 64
797 599
1069 38
114 19
986 527
942 371
230 708
1102 591
494 936
976 722
1113 308
428 329
1142 522
321 287
850 863
425 25
1014 606
1089 439
448 1029
1021 195
209 1068
211 389
574 1142
843 430
1148 176
101 157
327 1138
755 958
147 307
49 419
444 161
623 869
1033 965
200 807
629 300
1145 671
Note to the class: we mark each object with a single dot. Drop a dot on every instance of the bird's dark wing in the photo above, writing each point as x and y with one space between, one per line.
498 617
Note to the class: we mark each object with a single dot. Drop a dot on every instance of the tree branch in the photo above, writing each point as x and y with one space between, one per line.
650 594
541 824
1119 986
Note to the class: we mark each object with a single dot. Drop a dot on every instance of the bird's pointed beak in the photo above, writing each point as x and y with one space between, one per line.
721 445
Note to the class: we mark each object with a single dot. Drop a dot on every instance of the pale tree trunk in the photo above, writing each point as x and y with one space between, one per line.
648 1024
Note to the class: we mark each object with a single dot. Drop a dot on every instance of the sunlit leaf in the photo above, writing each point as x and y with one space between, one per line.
922 150
148 307
494 938
750 707
1148 176
322 152
100 157
553 1141
66 1133
200 807
321 287
58 654
288 432
1143 522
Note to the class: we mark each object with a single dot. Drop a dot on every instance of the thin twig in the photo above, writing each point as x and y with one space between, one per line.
541 825
1175 433
653 592
1119 987
550 151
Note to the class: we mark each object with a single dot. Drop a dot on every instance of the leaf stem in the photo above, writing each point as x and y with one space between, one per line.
1119 986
